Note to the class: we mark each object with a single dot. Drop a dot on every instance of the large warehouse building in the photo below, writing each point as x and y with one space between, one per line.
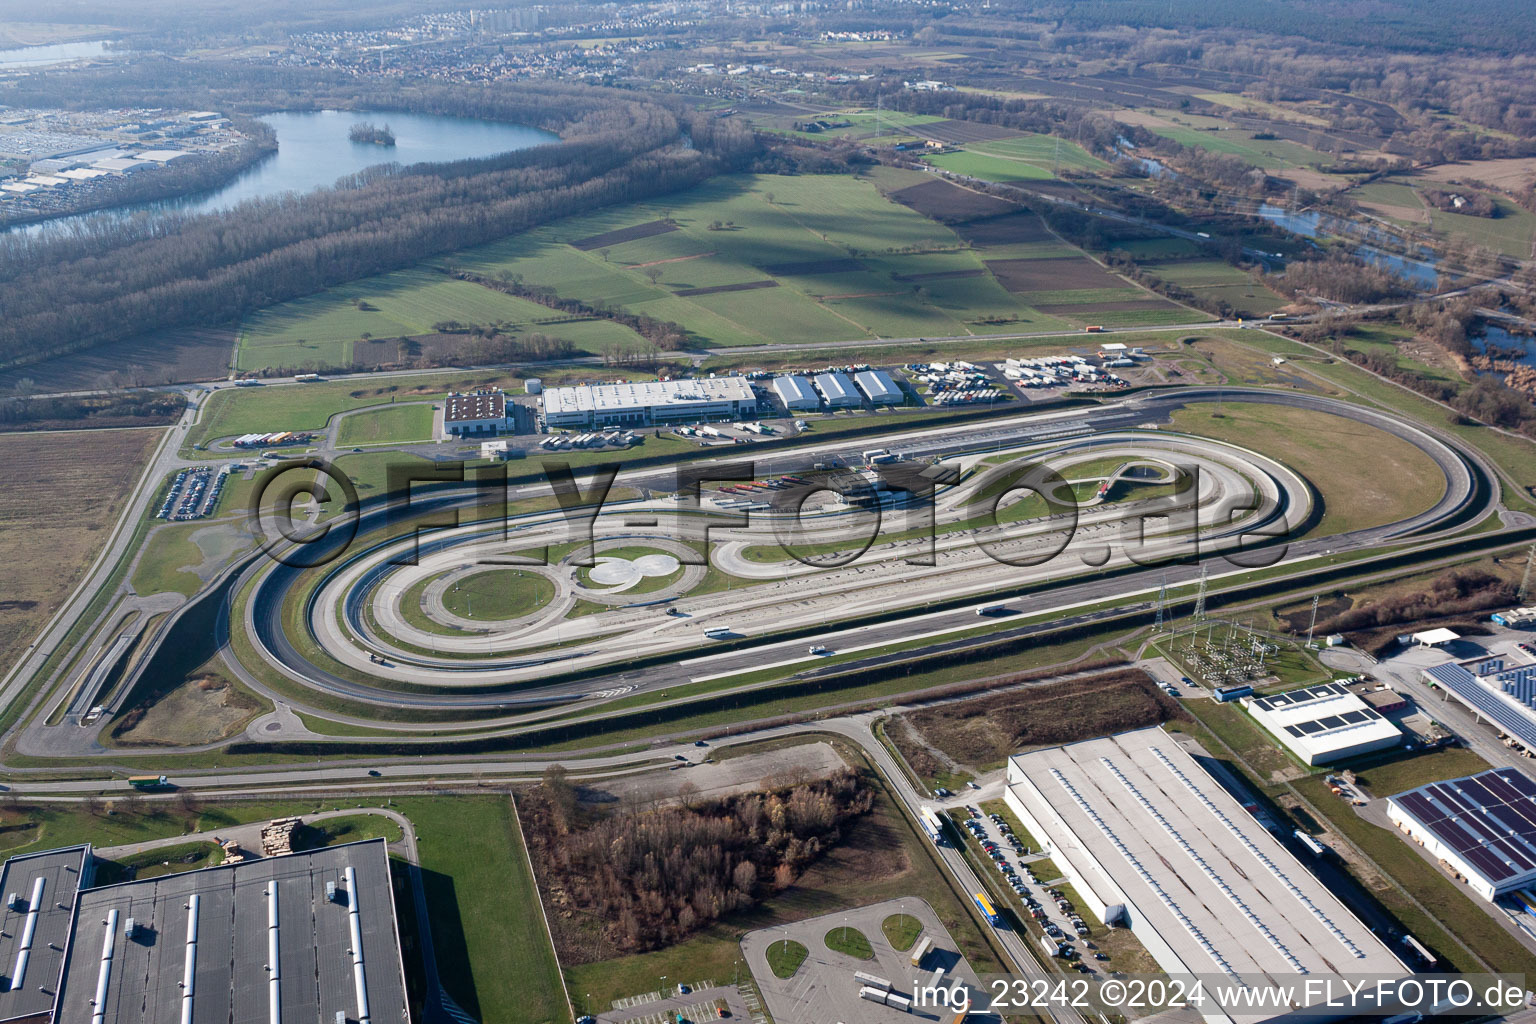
796 394
1150 840
304 938
838 390
1482 827
1325 723
653 402
878 387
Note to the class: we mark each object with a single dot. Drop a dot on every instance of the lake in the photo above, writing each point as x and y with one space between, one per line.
313 151
54 53
1505 342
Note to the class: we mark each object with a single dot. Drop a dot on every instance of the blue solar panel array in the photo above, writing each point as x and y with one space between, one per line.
1520 683
1488 819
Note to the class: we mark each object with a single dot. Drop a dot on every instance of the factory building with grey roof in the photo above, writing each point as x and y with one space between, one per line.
40 892
303 938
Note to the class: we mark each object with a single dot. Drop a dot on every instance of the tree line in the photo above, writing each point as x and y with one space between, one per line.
1456 592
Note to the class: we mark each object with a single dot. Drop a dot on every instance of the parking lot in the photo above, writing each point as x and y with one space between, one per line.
194 494
825 989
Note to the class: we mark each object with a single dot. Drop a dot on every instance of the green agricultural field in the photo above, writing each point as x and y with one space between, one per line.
1269 154
1043 151
1510 233
833 257
728 232
393 424
989 168
1218 280
320 329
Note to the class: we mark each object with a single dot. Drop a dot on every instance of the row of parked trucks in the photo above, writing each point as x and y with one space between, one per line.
1061 371
601 439
275 439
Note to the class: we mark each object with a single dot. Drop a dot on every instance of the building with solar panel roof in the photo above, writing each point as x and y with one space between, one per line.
1325 723
1482 827
1496 689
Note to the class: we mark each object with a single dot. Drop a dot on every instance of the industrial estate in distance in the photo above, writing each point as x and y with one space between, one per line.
662 512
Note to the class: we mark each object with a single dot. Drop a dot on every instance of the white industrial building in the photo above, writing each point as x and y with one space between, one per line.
482 411
1482 828
1150 840
878 387
1325 723
838 390
661 401
795 393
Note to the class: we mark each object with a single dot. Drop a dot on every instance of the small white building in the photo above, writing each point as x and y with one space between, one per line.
838 390
1434 637
796 394
481 411
1324 723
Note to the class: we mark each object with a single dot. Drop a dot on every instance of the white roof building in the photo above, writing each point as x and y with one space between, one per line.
1435 637
162 156
660 401
1137 825
482 411
878 387
838 390
795 393
1325 723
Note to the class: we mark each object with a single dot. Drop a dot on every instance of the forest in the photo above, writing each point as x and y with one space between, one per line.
638 879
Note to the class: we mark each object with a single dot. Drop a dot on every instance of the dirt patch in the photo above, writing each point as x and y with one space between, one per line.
45 544
950 204
1066 274
745 286
165 357
202 710
646 230
675 259
1005 230
939 275
990 729
1105 307
1510 173
775 769
810 268
963 131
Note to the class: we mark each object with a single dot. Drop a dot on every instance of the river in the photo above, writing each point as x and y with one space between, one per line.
54 53
1420 272
313 151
